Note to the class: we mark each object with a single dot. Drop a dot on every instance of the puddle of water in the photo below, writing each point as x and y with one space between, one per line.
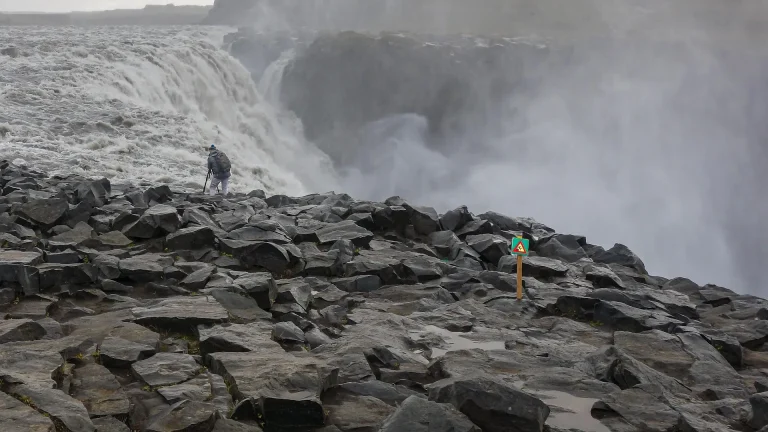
454 341
568 411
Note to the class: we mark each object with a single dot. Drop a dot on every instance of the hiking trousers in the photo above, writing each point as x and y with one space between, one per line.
224 186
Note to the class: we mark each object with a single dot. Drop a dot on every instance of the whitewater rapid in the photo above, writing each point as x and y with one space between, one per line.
140 105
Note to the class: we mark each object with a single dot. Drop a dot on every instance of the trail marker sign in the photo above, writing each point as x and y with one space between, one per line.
520 246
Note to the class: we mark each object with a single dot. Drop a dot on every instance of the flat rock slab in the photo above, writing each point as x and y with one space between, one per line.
238 338
185 416
118 352
14 330
181 312
227 425
166 369
58 405
109 424
29 364
18 417
419 415
241 307
98 390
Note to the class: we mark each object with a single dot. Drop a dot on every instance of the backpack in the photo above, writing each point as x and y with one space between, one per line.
223 162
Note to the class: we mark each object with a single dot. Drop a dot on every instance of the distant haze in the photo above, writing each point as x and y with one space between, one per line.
87 5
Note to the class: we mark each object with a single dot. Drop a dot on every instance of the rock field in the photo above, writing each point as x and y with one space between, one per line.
130 309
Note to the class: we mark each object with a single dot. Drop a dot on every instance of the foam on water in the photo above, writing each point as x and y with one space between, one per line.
64 97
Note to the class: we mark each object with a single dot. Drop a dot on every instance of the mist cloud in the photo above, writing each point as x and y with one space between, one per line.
653 135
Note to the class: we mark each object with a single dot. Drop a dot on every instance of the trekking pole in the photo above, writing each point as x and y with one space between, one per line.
206 180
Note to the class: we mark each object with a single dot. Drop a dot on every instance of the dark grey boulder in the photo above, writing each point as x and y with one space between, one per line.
46 212
110 424
391 218
16 416
197 237
94 193
319 263
491 404
288 332
15 330
490 247
602 277
759 417
618 254
420 415
156 221
294 292
474 228
363 283
197 280
260 286
158 194
563 247
108 267
620 316
455 219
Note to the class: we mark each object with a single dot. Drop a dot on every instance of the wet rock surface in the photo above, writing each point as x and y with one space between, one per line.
180 312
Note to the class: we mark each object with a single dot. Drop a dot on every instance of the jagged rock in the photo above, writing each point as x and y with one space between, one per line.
45 212
363 283
13 330
120 353
475 228
750 334
158 194
602 277
318 263
18 417
198 237
94 193
260 286
492 405
98 390
455 219
165 369
197 280
277 382
78 235
156 221
294 292
185 416
489 246
183 312
566 248
419 415
288 332
55 275
618 254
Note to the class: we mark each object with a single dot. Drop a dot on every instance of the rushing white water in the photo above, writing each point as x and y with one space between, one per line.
141 105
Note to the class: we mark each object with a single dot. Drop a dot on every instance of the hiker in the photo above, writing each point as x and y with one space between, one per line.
219 166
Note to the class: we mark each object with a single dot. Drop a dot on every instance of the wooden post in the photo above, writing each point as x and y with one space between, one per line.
519 277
